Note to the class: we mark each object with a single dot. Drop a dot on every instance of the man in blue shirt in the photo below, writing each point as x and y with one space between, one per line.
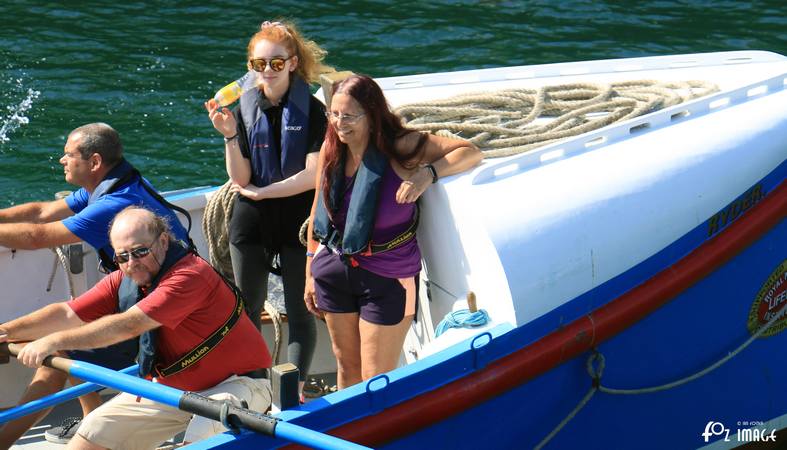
92 159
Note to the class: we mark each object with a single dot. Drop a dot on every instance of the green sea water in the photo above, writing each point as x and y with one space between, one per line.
146 68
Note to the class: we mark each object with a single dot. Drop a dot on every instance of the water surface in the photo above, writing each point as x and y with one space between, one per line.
147 69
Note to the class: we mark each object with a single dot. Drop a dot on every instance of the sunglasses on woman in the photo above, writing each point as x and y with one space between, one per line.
277 64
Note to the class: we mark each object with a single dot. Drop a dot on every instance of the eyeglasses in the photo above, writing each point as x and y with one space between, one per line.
137 253
348 118
259 64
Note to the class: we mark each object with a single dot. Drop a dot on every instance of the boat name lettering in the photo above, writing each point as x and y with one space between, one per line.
735 209
197 355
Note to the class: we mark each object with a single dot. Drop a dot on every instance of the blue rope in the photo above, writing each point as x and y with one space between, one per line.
461 319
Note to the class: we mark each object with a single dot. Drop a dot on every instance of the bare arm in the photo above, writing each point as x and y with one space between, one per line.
36 212
31 236
296 184
45 321
309 295
102 332
238 167
448 157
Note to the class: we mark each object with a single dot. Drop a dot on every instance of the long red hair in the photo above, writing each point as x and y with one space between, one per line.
385 128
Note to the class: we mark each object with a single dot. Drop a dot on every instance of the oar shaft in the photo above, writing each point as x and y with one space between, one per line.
55 399
193 402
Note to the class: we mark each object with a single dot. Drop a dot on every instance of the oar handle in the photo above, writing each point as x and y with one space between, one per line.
55 362
237 417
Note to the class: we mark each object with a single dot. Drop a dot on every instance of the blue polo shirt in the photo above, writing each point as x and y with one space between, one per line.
91 222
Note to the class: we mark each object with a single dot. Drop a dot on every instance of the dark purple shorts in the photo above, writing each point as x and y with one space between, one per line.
344 289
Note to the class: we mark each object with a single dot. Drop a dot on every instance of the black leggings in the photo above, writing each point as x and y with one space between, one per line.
250 264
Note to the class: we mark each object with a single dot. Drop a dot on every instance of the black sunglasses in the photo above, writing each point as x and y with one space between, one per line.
137 253
259 64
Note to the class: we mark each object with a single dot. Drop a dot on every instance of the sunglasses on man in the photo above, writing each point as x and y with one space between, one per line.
137 253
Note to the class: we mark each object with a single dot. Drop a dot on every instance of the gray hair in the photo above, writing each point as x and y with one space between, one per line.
99 138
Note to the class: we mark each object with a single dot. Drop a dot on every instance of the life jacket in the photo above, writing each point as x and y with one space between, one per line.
121 175
129 294
356 238
272 161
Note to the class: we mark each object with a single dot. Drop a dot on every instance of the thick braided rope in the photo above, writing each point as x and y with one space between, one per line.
214 226
215 220
511 121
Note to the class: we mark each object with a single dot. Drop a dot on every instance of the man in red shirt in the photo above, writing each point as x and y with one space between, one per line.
176 303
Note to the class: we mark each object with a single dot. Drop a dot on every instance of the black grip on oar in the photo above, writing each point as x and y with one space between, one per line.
238 417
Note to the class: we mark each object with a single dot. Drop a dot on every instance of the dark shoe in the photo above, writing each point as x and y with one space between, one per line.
314 388
63 433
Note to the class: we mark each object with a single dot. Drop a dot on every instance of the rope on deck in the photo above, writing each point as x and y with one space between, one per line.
511 121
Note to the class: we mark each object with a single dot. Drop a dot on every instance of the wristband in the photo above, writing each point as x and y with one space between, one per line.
228 139
309 254
433 171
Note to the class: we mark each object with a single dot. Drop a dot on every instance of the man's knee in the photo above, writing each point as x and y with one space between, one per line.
80 443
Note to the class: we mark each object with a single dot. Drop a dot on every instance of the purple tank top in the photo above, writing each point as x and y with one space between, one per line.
391 220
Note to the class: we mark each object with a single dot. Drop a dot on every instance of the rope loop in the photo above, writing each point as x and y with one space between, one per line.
462 318
596 372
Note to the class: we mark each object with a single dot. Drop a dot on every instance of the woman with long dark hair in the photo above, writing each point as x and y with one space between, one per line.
370 172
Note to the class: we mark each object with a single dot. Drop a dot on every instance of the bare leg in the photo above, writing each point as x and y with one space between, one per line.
346 341
46 381
79 443
381 346
90 401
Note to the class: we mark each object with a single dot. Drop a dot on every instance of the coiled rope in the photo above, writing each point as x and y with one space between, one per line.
596 371
511 121
462 318
215 221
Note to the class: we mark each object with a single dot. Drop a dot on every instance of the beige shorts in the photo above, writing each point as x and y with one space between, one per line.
129 422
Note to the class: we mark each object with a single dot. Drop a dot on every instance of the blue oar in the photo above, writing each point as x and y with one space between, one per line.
55 399
193 403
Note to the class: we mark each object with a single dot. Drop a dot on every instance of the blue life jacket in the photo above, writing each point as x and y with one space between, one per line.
129 294
121 175
359 225
271 161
